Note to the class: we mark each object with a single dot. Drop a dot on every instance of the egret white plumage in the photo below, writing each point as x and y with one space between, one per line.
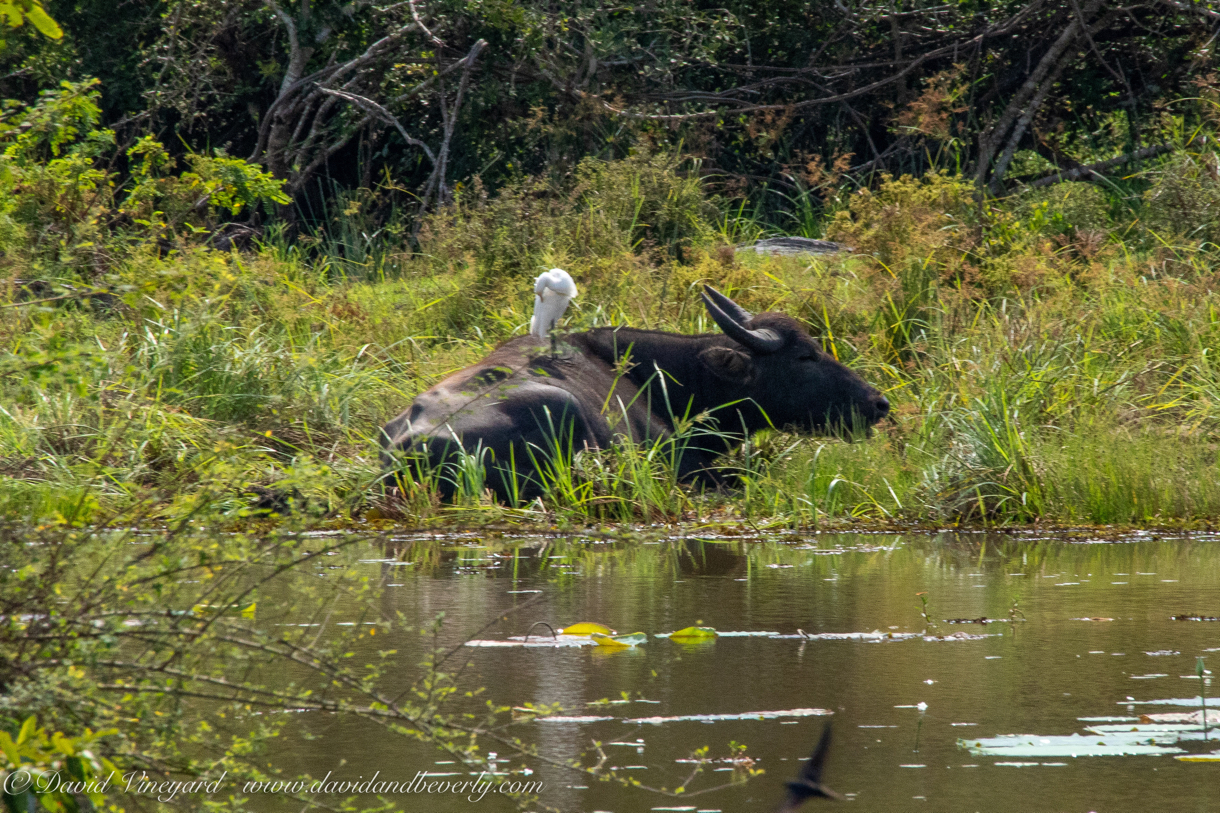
553 290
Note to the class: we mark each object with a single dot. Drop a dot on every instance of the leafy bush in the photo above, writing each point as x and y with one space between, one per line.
1068 208
1184 198
642 204
51 770
934 216
60 201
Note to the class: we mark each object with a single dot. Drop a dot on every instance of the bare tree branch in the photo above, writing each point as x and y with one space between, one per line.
1035 104
1095 169
442 163
420 23
726 97
1192 8
1033 84
379 112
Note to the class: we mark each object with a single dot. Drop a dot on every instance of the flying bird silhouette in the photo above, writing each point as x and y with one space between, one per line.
809 782
553 290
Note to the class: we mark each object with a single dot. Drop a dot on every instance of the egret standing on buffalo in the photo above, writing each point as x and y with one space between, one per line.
553 290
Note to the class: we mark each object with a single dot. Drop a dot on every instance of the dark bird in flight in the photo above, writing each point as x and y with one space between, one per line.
809 782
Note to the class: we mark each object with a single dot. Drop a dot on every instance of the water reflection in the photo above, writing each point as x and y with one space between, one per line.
1085 630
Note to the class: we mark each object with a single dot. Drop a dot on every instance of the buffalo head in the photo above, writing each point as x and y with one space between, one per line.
774 362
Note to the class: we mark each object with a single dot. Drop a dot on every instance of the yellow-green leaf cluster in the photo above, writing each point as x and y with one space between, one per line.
15 13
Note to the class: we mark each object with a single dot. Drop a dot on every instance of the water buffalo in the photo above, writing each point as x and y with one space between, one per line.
528 402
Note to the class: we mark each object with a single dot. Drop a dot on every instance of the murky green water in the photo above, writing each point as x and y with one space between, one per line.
1097 637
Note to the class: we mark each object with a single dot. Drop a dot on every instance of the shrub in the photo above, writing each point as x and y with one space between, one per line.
910 218
60 201
642 204
1069 209
1184 199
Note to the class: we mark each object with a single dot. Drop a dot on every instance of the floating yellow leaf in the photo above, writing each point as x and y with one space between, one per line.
586 628
694 634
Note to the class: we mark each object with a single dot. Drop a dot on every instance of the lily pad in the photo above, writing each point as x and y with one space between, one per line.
747 715
536 642
621 641
872 637
1213 717
1166 733
1214 756
1073 745
586 628
692 634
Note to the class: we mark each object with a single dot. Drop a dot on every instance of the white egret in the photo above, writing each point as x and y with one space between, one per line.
553 290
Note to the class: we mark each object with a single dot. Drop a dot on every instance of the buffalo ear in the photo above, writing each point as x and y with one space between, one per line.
728 363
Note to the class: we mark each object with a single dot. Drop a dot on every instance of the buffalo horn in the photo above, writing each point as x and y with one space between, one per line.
760 341
739 314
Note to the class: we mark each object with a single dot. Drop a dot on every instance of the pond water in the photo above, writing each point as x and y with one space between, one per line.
1085 639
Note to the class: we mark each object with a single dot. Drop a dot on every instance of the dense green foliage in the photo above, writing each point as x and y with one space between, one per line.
775 99
1018 339
16 13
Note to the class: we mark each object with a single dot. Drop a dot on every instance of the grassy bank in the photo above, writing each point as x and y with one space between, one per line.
1050 355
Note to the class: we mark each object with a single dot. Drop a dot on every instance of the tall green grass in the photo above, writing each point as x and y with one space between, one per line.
1047 359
